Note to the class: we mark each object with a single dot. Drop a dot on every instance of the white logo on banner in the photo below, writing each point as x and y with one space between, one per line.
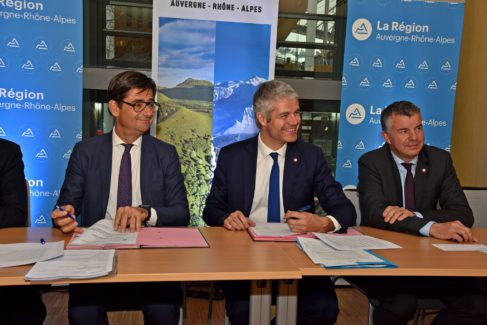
69 48
365 82
55 67
2 64
446 66
339 146
28 65
80 69
79 135
448 148
2 132
28 133
55 134
42 46
361 29
41 154
387 83
13 43
347 164
67 155
377 63
423 65
355 62
453 87
355 113
433 85
344 81
410 84
41 220
401 64
360 145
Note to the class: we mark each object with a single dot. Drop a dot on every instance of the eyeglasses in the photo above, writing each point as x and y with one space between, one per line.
140 106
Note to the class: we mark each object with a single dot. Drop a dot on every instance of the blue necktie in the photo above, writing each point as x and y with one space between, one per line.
274 206
409 199
124 194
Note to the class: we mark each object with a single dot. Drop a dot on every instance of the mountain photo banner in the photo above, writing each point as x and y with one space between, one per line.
208 59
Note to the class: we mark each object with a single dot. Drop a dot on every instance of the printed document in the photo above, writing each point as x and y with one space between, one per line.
101 234
461 247
28 253
74 264
347 243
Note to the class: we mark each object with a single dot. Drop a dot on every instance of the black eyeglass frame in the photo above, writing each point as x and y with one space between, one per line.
155 105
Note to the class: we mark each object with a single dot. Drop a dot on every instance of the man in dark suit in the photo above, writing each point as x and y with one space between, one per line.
239 195
133 179
18 304
410 187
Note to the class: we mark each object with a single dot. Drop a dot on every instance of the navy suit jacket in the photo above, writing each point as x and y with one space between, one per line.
87 182
439 196
13 190
305 174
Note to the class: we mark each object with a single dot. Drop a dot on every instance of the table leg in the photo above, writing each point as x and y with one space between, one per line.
287 302
260 302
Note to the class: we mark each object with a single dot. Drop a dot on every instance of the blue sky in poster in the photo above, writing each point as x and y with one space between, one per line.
194 57
242 51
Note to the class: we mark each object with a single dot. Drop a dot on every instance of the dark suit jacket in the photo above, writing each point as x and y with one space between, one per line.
305 174
87 181
13 190
439 196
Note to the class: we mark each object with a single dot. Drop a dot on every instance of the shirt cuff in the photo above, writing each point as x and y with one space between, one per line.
425 230
335 223
153 218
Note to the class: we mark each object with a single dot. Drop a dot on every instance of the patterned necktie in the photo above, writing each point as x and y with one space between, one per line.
274 206
409 200
124 194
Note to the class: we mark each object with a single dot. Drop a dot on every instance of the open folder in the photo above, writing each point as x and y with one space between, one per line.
281 232
101 235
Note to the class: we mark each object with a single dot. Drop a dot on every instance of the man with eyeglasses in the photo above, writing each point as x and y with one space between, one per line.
134 179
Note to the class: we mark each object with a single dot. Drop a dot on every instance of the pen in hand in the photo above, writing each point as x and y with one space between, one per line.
303 209
60 208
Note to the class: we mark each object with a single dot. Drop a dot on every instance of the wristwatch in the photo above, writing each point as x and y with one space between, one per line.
148 208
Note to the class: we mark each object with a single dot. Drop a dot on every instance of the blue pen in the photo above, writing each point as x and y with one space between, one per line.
60 208
42 241
305 208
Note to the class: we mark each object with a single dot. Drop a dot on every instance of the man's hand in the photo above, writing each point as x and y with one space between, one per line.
237 221
61 219
129 217
454 230
302 222
393 213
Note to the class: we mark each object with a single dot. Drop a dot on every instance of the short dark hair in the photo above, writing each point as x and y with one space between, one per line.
402 107
267 93
123 82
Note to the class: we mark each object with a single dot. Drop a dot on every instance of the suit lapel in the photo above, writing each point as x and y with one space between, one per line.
396 177
145 172
420 177
291 169
105 171
249 169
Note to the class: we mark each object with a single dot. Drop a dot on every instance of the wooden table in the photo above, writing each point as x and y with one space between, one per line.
231 256
417 257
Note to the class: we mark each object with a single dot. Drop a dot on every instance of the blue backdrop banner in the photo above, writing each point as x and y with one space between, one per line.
41 91
396 50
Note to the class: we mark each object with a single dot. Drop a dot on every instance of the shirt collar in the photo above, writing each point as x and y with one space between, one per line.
117 141
265 151
399 161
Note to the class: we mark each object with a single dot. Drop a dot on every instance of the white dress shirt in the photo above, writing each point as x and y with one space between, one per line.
117 152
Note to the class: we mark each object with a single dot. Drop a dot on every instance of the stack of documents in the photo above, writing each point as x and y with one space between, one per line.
102 236
28 253
339 251
81 264
275 231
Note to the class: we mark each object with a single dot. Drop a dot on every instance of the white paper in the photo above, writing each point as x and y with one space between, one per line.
348 243
321 253
275 229
28 253
74 264
102 233
461 247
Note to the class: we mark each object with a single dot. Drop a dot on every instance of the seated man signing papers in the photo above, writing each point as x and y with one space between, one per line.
133 179
407 186
269 178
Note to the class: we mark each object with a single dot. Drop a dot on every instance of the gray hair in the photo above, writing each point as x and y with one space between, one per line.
267 93
402 107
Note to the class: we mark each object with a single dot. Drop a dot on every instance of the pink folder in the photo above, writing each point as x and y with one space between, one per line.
350 232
